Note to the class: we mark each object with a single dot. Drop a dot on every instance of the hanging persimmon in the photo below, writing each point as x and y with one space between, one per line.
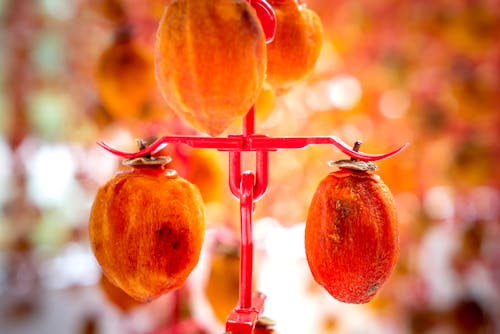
125 78
351 235
147 228
292 54
210 61
201 167
222 288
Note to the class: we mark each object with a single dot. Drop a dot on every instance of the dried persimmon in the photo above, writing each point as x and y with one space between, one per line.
351 236
292 54
125 78
146 230
210 61
222 288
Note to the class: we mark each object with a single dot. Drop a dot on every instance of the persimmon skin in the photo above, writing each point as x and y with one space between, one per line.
293 53
146 230
351 235
210 58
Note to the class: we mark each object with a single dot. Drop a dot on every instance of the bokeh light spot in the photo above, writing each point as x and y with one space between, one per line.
394 103
51 171
344 91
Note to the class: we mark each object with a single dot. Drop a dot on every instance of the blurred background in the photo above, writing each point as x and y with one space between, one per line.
426 72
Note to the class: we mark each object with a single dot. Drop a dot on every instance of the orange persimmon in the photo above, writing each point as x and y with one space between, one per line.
146 230
292 54
125 78
210 61
201 167
265 104
351 235
222 289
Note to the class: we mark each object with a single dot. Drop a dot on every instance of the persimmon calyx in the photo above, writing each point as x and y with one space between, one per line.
354 164
147 161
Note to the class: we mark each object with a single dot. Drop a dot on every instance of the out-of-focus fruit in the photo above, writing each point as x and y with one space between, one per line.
201 167
116 295
205 172
210 61
222 289
351 236
110 9
265 103
125 78
292 54
146 230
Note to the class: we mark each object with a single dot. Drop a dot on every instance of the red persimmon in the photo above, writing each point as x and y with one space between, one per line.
146 230
351 236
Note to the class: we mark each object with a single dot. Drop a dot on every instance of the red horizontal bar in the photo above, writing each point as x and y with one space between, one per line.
252 142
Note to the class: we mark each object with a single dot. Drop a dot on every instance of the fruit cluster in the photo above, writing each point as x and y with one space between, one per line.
212 60
212 64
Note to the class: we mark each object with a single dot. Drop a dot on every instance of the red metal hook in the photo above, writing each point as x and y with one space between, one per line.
261 174
267 17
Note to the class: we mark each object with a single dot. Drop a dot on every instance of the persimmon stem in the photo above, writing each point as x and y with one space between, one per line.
356 147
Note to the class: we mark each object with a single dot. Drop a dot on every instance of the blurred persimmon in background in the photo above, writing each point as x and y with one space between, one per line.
125 78
222 286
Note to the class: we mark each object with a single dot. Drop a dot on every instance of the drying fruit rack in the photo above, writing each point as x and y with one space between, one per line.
250 186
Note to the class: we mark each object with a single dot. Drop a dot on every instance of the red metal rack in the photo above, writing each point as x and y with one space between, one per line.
249 187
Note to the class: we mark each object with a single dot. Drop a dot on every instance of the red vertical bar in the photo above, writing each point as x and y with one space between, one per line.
249 122
246 247
235 173
261 174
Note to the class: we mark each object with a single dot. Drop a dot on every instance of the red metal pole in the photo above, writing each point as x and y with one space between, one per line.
249 122
246 247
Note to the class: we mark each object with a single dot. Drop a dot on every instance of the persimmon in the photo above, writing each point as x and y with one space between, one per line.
201 167
292 54
125 78
146 229
351 235
210 61
265 103
117 296
110 9
222 289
